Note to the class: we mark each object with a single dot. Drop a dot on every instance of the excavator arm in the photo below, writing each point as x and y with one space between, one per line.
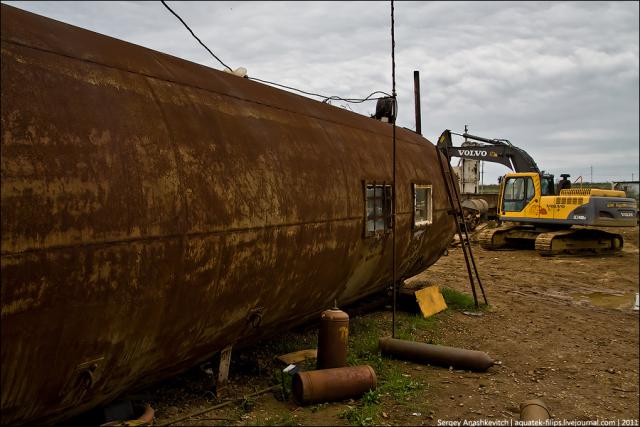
493 150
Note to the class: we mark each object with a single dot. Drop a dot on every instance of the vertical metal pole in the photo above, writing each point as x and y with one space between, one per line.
394 198
416 96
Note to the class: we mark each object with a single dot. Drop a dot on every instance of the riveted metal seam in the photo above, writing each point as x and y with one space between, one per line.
202 88
189 235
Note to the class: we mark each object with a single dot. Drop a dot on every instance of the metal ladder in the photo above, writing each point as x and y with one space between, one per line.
453 195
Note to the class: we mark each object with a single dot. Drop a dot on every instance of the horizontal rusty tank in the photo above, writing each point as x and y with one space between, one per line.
155 211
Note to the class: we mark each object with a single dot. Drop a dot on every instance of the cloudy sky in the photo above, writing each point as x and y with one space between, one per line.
557 79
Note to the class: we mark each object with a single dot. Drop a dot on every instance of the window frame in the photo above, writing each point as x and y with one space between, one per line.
428 204
386 200
527 182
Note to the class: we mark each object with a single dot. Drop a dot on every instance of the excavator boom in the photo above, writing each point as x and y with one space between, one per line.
493 150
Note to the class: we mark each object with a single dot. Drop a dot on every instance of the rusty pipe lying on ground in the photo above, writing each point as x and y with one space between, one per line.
534 410
436 354
328 385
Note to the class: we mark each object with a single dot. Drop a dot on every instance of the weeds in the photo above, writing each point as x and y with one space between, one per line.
395 388
371 397
366 411
399 386
457 300
317 407
247 404
361 414
363 344
285 419
393 385
411 326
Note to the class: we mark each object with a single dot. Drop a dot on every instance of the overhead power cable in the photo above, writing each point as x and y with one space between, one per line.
324 97
193 34
359 100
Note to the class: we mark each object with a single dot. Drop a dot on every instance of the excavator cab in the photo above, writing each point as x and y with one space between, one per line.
518 192
519 195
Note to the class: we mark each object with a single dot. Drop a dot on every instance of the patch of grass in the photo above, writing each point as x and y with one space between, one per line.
363 344
411 326
285 419
398 386
393 385
247 404
457 300
318 406
362 414
284 380
371 397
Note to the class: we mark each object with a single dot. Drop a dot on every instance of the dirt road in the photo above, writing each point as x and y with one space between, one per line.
562 327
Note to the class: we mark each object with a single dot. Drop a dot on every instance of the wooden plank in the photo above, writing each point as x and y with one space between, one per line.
430 301
298 356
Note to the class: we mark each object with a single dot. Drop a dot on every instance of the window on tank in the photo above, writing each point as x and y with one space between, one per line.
378 208
422 205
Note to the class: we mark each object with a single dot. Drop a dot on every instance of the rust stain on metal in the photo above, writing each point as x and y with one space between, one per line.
148 204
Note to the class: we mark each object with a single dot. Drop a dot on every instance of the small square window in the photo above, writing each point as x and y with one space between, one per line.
378 208
422 205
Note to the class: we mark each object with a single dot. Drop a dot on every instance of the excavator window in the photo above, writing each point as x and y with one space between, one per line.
518 191
546 182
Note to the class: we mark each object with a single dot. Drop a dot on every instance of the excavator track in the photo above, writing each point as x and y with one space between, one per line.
578 242
494 238
574 241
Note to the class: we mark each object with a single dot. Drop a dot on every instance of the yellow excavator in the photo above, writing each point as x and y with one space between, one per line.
532 211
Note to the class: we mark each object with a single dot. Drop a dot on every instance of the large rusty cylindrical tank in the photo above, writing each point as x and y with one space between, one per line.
480 206
329 385
155 211
333 339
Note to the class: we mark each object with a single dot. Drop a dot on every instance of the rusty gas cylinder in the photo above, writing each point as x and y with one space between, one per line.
534 410
333 339
329 385
439 355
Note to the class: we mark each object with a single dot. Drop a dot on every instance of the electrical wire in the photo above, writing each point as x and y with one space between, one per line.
193 34
325 98
359 100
